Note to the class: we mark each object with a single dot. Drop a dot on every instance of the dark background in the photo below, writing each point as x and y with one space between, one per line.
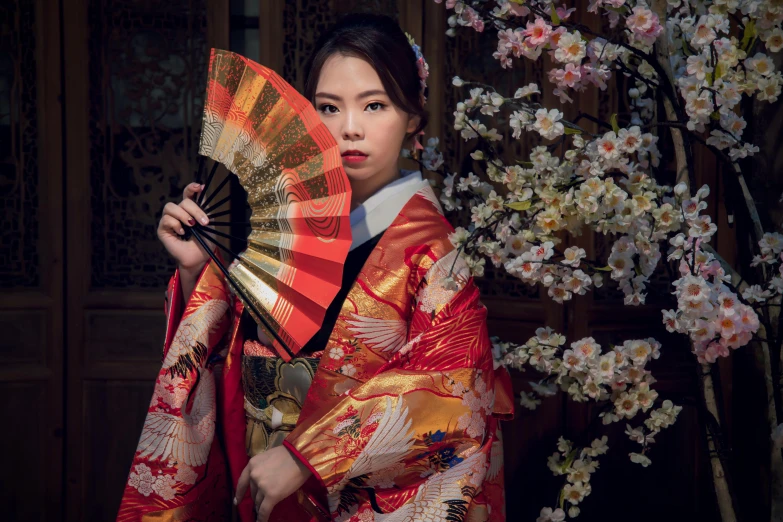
100 110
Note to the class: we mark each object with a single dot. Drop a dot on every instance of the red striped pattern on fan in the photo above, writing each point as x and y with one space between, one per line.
289 164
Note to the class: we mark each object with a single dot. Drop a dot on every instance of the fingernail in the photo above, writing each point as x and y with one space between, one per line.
182 231
202 187
235 501
204 220
192 222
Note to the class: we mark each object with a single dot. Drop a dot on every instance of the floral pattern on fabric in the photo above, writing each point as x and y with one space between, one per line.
176 459
408 432
399 423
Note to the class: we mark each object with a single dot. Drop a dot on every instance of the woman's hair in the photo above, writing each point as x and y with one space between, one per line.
378 40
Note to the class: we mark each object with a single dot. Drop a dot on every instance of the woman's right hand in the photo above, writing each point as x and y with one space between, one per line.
189 254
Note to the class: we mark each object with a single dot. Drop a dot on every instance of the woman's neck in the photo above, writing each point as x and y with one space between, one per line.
361 190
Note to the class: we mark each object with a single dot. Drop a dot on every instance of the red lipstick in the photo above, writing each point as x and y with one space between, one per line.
354 156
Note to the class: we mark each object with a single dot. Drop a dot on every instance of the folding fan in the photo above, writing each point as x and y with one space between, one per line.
263 131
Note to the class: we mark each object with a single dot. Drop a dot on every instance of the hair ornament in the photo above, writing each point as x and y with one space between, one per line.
424 69
424 72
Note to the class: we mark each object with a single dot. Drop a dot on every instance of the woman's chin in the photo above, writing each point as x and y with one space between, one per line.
356 173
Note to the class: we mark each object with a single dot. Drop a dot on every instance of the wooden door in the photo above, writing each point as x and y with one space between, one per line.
134 80
31 262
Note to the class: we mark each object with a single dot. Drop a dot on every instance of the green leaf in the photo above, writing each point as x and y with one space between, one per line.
715 116
571 130
519 205
718 72
526 164
685 48
613 121
606 268
749 35
518 2
555 18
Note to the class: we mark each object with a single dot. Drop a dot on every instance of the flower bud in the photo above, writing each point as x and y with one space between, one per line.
681 188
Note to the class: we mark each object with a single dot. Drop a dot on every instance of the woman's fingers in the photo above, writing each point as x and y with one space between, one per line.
259 505
172 224
179 213
242 483
194 210
191 190
265 511
253 490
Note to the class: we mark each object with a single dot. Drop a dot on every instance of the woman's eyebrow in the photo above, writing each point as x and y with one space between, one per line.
365 94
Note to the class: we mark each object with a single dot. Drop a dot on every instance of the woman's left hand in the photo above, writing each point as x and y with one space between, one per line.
272 476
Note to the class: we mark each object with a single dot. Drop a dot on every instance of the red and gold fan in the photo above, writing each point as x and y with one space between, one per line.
299 196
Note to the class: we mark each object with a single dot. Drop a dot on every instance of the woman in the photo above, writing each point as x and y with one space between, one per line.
390 412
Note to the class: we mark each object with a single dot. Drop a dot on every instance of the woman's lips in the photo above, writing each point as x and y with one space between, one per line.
354 158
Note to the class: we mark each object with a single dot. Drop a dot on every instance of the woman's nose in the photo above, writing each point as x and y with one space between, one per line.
352 129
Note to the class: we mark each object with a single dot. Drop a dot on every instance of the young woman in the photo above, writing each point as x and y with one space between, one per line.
390 412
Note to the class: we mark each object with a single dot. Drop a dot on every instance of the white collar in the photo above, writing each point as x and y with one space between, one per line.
379 210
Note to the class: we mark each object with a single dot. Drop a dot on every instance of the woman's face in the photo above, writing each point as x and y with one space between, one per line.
354 106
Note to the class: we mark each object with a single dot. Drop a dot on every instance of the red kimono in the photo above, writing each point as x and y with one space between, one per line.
400 422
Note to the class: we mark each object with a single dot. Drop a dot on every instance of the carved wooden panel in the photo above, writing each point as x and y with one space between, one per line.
136 74
19 146
113 421
30 262
124 336
24 336
23 474
305 20
147 73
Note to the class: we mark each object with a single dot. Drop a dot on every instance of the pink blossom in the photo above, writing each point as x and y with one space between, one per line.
703 330
641 20
735 340
569 76
644 25
727 325
598 76
518 10
506 39
538 33
727 302
472 17
564 13
715 350
554 37
748 319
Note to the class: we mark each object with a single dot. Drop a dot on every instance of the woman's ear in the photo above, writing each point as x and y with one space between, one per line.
413 122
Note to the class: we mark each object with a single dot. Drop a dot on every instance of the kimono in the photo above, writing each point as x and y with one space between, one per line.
396 418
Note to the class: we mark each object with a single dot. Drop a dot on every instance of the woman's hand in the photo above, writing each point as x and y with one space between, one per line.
189 255
272 476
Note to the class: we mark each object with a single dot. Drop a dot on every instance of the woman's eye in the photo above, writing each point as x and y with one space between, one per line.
378 105
325 108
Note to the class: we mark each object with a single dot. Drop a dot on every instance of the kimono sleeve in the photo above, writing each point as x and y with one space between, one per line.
421 415
179 465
